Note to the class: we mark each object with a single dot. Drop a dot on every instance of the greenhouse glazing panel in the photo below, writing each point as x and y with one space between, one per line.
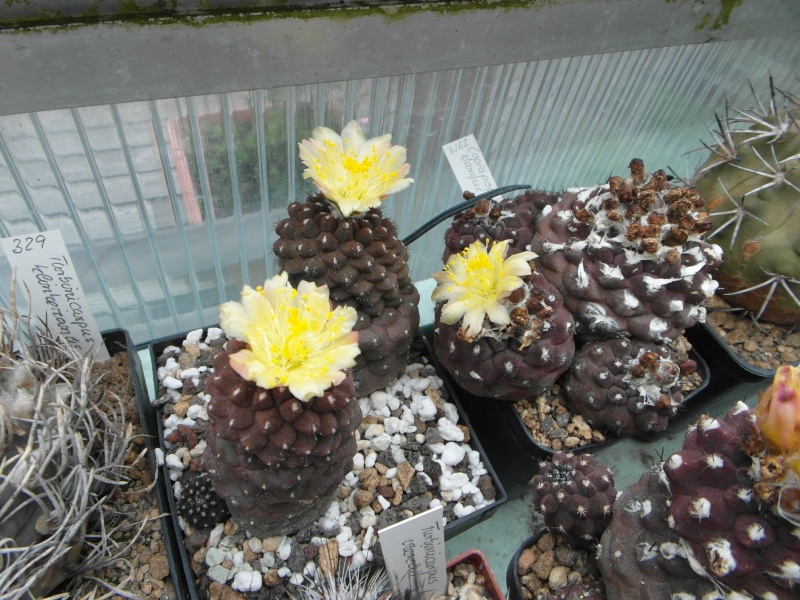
168 207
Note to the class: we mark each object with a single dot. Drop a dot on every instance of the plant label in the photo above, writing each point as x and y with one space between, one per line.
414 553
46 272
469 165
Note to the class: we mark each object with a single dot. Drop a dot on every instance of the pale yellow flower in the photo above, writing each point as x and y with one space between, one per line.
778 411
354 173
294 337
476 281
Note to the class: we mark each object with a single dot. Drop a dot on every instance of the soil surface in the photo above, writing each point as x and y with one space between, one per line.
763 345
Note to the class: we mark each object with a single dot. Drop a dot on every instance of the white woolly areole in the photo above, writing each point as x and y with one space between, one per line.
670 550
629 300
720 557
654 284
611 272
581 277
701 508
740 407
676 305
709 285
708 424
715 461
756 532
657 327
675 461
788 570
682 596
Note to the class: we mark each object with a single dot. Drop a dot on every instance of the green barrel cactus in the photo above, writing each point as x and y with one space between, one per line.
751 185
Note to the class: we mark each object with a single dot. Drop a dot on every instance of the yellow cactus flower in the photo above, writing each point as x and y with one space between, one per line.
294 337
352 172
778 411
476 281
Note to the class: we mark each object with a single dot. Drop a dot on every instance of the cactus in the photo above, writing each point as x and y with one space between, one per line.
502 330
511 219
282 410
726 507
62 456
199 505
625 386
629 257
575 495
340 239
751 184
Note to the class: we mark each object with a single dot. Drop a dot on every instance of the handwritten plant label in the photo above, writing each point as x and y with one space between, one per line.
45 268
469 165
414 554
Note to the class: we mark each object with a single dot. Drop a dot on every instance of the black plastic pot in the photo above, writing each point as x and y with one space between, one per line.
420 347
513 583
722 357
116 341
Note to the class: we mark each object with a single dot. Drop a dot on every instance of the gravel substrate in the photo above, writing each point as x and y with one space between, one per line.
763 345
141 571
551 424
549 566
412 455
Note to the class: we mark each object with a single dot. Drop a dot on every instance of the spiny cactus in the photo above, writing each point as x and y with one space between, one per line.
502 330
629 257
282 410
726 507
340 239
625 386
199 504
751 184
62 455
575 495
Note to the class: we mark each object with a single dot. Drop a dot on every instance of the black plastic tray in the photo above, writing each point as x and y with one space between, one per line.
451 529
505 413
705 337
116 341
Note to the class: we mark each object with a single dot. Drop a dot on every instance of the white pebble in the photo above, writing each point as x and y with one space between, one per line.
383 441
420 438
198 449
437 448
449 430
296 578
310 569
189 373
214 556
195 411
378 399
435 503
171 383
174 475
368 536
177 488
392 425
451 412
370 460
459 510
351 479
284 548
393 403
373 431
455 495
284 572
159 457
474 457
420 385
391 473
219 573
424 408
193 337
174 462
453 482
347 548
216 535
247 581
358 462
255 545
453 453
267 561
358 560
383 502
213 333
238 558
345 535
